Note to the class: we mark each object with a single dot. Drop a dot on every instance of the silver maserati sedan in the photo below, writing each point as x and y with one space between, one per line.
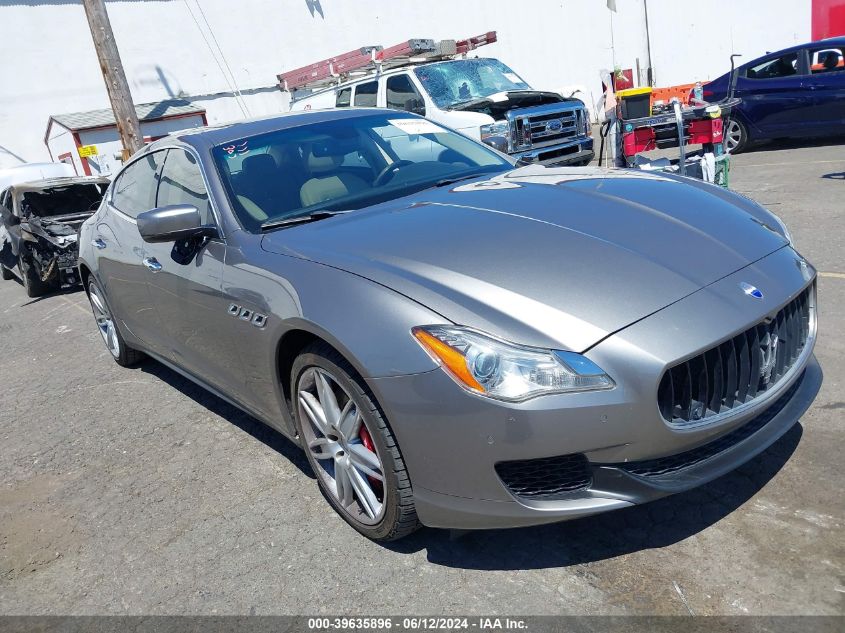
455 340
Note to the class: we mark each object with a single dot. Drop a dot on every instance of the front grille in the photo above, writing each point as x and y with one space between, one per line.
673 463
543 126
736 371
546 478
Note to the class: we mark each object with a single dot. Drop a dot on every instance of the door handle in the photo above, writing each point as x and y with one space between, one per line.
152 264
98 243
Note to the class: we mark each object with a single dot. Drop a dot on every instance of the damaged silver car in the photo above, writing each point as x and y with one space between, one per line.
40 227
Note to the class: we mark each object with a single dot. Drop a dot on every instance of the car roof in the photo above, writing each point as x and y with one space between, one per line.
46 183
374 76
831 41
207 137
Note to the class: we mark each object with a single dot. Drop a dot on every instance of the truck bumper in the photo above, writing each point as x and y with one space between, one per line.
575 152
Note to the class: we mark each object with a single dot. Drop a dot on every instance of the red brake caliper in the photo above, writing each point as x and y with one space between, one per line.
367 441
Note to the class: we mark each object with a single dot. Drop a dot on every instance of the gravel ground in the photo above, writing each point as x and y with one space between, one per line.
135 492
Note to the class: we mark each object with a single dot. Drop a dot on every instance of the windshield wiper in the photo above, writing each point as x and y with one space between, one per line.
445 182
321 214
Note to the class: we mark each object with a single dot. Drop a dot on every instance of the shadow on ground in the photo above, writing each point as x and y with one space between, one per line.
654 525
260 431
657 524
793 143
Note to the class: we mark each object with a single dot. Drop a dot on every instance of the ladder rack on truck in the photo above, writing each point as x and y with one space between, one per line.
376 59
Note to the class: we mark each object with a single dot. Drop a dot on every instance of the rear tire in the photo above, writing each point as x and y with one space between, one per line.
328 379
123 355
31 279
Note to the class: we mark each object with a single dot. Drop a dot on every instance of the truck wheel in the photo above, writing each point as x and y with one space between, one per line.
31 279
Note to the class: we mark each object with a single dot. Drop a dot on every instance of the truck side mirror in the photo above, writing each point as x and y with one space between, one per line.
415 106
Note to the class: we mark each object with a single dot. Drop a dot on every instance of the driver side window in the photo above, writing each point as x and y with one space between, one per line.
783 66
181 183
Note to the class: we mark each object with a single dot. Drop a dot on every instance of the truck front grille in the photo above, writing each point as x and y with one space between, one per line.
738 370
542 126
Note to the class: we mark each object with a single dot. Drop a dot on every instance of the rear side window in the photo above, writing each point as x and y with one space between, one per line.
783 66
403 95
343 98
827 60
181 183
135 188
365 94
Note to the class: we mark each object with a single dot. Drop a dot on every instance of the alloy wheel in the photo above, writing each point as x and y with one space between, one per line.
734 135
105 321
345 457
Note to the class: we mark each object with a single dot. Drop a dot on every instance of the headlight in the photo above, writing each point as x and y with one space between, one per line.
504 371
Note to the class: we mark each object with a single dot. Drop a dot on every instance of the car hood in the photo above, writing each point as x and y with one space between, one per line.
556 257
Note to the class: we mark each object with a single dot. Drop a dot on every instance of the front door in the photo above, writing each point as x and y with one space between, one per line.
187 295
774 96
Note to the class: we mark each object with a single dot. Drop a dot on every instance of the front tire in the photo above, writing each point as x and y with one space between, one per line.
736 136
31 278
123 355
351 449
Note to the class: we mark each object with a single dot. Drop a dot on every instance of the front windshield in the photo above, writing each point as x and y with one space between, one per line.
62 200
453 82
343 164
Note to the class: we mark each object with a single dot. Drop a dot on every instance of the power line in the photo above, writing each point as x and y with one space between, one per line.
222 56
217 61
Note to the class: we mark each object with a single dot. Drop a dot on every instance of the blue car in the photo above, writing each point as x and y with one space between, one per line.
798 92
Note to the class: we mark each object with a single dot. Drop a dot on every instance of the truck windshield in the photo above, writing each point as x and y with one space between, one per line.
342 164
453 82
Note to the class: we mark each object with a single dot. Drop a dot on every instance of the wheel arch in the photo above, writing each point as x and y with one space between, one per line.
296 338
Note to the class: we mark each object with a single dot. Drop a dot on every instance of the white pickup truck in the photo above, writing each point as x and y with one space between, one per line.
481 98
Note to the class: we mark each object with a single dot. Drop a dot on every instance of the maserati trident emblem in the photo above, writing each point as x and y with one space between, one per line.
769 352
750 290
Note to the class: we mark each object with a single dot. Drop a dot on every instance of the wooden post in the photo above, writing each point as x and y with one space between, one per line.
116 84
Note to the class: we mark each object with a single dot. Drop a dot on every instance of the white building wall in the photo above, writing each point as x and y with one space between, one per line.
185 48
694 41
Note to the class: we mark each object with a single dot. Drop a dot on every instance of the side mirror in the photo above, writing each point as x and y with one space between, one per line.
415 106
172 224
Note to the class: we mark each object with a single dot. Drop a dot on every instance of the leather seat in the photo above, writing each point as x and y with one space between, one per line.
269 191
327 183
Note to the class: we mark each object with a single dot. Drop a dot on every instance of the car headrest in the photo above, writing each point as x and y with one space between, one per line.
259 165
323 164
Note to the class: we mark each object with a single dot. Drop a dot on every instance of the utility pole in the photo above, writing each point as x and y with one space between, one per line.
116 84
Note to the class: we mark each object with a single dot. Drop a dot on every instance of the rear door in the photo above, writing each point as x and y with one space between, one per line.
119 250
826 83
774 96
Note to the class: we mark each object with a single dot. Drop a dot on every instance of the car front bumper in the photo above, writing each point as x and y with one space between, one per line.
452 441
574 152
